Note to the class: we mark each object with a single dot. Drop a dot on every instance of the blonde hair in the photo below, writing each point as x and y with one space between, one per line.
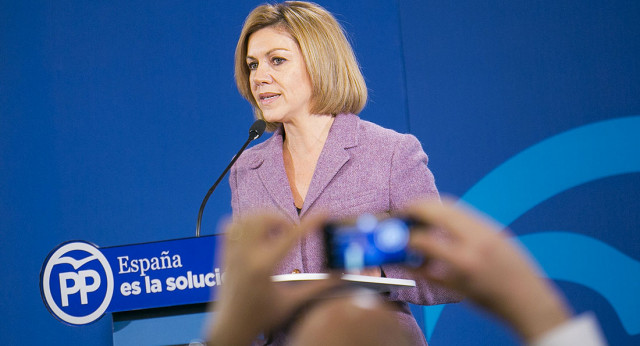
337 83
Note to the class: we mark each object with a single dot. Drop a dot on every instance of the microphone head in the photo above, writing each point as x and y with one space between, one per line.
257 129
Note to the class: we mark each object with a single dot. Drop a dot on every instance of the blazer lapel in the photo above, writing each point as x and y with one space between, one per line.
343 135
270 168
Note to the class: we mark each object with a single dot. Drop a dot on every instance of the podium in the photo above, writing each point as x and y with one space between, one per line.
157 293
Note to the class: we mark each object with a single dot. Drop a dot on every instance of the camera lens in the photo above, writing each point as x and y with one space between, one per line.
392 235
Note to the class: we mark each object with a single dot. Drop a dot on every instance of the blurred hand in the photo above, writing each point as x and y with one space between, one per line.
249 301
480 261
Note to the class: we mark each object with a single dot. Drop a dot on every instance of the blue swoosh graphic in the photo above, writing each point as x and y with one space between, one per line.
564 161
587 261
572 158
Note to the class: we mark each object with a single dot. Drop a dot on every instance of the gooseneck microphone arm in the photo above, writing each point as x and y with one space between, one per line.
256 130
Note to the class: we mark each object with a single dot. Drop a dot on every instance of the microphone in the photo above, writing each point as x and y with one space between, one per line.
256 130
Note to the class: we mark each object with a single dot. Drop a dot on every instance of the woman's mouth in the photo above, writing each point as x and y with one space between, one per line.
267 98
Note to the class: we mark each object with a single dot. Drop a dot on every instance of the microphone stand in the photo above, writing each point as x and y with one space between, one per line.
256 130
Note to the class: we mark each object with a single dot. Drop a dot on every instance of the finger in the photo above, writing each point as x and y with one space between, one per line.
300 293
433 246
232 230
434 274
459 221
470 215
312 223
282 241
289 234
262 226
248 235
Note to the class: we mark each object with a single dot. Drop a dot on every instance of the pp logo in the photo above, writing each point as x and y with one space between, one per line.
77 283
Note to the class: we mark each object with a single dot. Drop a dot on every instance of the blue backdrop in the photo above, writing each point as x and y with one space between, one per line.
116 117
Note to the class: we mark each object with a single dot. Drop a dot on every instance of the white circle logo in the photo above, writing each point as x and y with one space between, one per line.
77 283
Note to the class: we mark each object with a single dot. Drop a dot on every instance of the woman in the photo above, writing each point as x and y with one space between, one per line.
294 64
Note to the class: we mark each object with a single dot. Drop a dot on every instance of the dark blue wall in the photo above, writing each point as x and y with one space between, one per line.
116 117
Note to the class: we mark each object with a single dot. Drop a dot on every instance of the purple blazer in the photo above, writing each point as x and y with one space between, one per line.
363 168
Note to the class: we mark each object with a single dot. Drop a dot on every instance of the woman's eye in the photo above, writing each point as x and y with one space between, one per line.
278 61
252 65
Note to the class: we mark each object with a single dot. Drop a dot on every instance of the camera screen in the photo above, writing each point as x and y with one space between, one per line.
367 242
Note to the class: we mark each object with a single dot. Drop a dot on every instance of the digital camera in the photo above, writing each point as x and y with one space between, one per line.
368 241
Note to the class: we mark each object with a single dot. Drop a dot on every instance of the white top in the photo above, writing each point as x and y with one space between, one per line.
582 330
371 282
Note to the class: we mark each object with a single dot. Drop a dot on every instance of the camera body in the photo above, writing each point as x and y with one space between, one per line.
369 241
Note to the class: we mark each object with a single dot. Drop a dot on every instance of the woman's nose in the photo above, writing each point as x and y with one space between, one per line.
262 75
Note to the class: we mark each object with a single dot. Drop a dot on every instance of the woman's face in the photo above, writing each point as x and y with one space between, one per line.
278 75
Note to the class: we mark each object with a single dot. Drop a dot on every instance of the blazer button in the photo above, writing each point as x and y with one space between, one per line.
296 271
